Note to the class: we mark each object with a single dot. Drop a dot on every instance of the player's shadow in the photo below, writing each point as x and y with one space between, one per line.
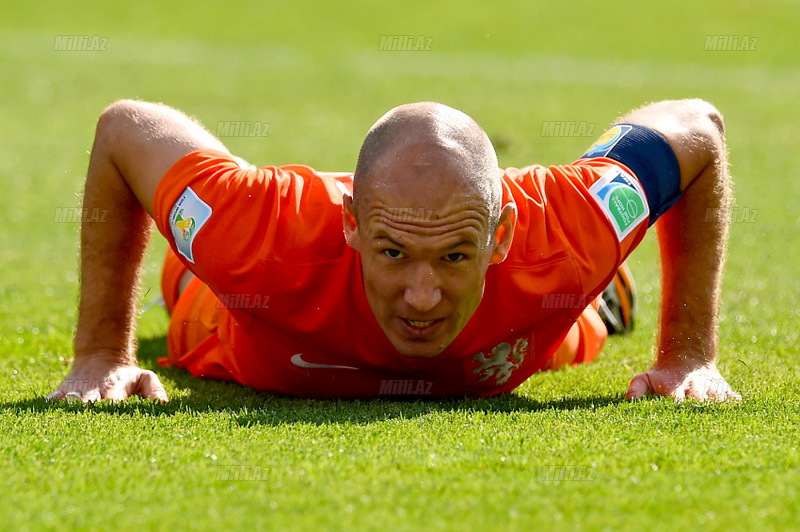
282 411
248 407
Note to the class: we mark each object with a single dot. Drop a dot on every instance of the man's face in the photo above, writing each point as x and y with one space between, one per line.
424 252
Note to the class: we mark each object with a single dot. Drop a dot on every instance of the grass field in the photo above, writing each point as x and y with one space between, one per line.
220 456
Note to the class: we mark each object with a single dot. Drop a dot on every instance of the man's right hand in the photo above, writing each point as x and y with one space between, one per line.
102 376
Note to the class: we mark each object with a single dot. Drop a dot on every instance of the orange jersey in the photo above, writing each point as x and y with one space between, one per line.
294 317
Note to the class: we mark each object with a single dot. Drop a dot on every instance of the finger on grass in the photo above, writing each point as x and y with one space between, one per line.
638 388
150 387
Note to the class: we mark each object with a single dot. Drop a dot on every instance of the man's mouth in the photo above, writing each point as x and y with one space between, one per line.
421 329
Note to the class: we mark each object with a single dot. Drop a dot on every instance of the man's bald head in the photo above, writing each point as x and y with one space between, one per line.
443 138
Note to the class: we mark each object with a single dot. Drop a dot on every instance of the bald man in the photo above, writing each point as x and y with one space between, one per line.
427 272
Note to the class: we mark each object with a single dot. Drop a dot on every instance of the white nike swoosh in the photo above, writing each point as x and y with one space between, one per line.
298 361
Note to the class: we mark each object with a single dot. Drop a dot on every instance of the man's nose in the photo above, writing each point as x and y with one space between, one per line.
423 291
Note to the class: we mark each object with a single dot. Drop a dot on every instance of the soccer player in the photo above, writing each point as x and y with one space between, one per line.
429 271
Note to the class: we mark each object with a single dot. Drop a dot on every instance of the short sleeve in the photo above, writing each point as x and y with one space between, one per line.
603 212
604 202
225 222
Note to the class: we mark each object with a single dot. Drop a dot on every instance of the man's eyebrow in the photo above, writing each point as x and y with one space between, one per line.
384 236
465 242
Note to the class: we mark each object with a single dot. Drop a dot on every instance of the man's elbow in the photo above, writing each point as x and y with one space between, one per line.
114 116
705 119
716 118
701 141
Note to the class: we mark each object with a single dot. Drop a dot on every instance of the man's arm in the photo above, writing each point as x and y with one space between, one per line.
693 252
135 144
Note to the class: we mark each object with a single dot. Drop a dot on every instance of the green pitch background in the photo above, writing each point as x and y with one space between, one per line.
314 72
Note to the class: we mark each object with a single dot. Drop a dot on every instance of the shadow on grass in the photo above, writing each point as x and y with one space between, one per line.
248 407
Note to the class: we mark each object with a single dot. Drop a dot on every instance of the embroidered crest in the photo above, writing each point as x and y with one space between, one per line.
501 361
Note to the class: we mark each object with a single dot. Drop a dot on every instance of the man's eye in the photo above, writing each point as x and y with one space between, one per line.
455 257
393 253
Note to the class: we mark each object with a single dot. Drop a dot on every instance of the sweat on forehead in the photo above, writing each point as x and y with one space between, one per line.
428 146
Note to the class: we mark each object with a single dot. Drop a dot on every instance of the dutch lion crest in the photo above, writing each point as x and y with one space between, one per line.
501 361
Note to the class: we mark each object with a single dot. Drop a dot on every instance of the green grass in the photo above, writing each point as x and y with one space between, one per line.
314 72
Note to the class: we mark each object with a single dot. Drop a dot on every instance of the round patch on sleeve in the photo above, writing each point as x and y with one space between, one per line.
186 218
607 141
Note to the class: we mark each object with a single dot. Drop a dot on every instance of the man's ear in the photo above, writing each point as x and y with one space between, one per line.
504 234
349 222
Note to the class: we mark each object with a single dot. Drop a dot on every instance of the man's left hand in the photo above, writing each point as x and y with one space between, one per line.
680 378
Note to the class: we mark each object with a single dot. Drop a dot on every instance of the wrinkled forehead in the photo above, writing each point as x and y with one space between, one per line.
427 211
429 182
405 223
424 201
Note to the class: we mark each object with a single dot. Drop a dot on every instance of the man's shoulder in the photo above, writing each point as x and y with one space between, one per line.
555 214
537 237
310 188
308 219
